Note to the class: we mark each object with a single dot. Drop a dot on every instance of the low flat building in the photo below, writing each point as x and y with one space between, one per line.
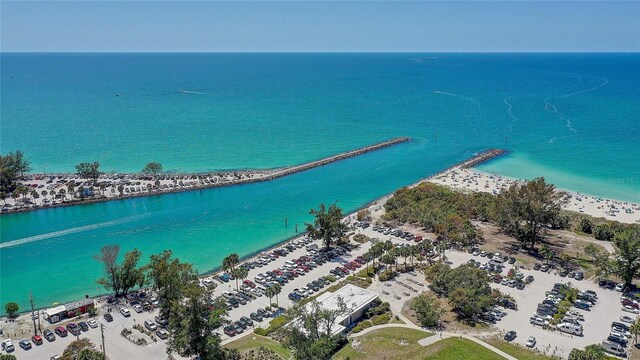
357 299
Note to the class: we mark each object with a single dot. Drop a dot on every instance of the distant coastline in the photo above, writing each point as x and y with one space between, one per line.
125 186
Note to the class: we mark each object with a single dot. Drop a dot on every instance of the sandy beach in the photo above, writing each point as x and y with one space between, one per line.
470 179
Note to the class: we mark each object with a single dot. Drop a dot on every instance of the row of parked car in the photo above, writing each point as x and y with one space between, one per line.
393 232
49 335
239 326
618 339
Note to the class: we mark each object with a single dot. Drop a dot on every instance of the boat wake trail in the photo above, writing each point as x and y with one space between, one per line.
471 107
192 92
509 109
64 232
604 83
554 109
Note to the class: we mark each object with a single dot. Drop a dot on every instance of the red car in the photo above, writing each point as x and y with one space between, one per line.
277 272
62 332
627 302
304 268
36 339
249 283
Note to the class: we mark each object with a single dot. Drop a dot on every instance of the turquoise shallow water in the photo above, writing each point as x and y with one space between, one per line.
572 118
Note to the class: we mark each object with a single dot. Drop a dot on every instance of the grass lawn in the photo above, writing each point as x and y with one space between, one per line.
389 343
254 341
516 351
402 343
454 348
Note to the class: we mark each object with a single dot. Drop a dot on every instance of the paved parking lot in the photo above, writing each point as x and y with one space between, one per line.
596 324
117 347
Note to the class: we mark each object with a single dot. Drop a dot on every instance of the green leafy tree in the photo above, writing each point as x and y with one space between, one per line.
466 288
11 308
169 277
428 310
525 210
312 338
603 232
89 170
152 168
627 255
327 224
82 349
120 278
192 325
586 226
547 253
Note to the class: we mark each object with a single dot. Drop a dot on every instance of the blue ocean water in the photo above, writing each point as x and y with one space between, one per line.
573 118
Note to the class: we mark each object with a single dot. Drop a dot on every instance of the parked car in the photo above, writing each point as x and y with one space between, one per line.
36 339
531 341
7 345
230 330
83 326
73 328
630 309
25 344
627 319
162 321
162 334
92 323
49 335
108 317
150 325
125 312
510 336
137 308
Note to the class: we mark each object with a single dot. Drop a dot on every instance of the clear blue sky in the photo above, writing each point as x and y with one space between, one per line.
443 26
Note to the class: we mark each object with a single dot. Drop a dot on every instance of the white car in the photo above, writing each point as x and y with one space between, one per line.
630 309
531 341
137 308
619 287
125 312
7 345
150 325
92 323
207 282
627 319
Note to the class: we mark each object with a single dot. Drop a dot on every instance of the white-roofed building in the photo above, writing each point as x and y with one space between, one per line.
357 299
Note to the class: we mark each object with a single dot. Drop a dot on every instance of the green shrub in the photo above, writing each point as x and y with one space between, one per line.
603 232
380 319
366 274
274 325
386 275
331 278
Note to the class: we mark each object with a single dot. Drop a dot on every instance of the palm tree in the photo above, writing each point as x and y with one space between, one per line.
634 329
229 264
388 259
277 289
239 273
270 293
121 189
44 194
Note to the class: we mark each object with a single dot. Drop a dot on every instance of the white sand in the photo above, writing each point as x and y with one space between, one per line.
474 180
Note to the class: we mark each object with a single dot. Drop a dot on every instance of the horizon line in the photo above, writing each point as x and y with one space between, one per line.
323 52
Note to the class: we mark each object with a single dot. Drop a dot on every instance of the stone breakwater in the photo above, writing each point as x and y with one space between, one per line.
55 190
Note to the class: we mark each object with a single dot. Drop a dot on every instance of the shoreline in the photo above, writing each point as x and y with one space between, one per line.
147 185
373 206
471 179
